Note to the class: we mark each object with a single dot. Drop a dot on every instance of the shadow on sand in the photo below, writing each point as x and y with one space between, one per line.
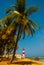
25 63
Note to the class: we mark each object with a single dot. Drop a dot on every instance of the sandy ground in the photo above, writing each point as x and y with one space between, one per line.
24 61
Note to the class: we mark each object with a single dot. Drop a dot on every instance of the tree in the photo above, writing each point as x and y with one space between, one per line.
21 24
6 42
2 42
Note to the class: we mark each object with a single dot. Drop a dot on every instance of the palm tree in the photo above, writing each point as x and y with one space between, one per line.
2 42
10 43
21 24
2 30
6 41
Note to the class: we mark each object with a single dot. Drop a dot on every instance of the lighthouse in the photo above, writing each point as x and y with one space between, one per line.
23 53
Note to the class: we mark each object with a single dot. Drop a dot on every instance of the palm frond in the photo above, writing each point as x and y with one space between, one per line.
14 13
14 6
4 18
7 20
26 30
31 28
8 10
13 33
34 24
21 5
10 29
31 10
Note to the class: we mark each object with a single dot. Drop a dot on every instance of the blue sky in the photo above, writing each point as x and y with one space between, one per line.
34 46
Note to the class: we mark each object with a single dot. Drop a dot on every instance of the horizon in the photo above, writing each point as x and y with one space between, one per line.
34 46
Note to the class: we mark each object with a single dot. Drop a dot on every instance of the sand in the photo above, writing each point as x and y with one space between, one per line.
25 61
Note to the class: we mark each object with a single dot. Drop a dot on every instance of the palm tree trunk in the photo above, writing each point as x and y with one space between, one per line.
15 47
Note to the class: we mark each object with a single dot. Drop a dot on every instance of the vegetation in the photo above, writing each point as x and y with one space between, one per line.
17 24
6 42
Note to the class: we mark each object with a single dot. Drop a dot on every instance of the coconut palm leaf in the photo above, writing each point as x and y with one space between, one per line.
7 21
6 17
26 30
34 24
14 13
31 29
14 31
7 10
14 6
21 5
31 10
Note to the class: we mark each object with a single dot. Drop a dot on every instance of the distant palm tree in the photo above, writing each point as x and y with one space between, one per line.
21 23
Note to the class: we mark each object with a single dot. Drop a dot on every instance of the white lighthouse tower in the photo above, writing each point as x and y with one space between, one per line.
23 53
